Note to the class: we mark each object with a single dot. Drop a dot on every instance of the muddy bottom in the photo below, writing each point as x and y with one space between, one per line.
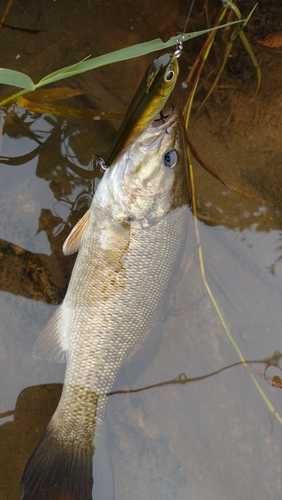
212 433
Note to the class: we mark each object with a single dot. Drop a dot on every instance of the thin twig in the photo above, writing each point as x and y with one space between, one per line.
6 12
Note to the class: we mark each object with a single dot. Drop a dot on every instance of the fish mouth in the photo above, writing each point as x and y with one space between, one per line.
165 119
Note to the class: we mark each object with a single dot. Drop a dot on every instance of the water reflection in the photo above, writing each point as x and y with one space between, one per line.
64 160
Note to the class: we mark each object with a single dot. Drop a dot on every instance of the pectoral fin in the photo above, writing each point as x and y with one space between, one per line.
52 344
74 239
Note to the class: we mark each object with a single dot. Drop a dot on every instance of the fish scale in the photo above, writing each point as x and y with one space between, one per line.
129 244
131 314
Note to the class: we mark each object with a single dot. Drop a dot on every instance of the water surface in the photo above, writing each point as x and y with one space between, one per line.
212 437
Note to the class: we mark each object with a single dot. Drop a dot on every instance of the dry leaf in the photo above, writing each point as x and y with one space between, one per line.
276 382
272 40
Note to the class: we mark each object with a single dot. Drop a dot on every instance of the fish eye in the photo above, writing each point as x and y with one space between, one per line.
170 158
169 76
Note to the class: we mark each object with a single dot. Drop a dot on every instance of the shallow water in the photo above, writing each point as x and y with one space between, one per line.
210 438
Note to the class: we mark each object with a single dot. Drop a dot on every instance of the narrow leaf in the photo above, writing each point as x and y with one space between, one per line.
252 56
250 15
234 8
11 77
15 78
137 50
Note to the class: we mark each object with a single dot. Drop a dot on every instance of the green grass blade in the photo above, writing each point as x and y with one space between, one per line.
16 78
54 74
252 57
131 52
233 7
249 15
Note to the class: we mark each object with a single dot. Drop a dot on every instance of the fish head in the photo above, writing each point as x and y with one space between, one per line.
149 180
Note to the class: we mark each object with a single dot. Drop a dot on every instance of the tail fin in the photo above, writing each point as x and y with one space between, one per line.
56 472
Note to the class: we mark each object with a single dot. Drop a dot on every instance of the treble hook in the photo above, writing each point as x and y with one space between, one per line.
100 162
179 46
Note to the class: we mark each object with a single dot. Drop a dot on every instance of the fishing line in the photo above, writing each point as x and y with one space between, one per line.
179 46
188 17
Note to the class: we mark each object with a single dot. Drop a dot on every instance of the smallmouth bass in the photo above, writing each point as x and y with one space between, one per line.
129 246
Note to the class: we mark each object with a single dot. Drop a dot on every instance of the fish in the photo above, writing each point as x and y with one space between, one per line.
149 99
130 244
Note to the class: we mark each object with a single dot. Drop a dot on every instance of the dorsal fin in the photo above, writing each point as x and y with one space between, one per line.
74 239
52 344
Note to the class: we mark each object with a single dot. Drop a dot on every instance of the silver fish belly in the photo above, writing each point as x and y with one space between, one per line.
130 244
